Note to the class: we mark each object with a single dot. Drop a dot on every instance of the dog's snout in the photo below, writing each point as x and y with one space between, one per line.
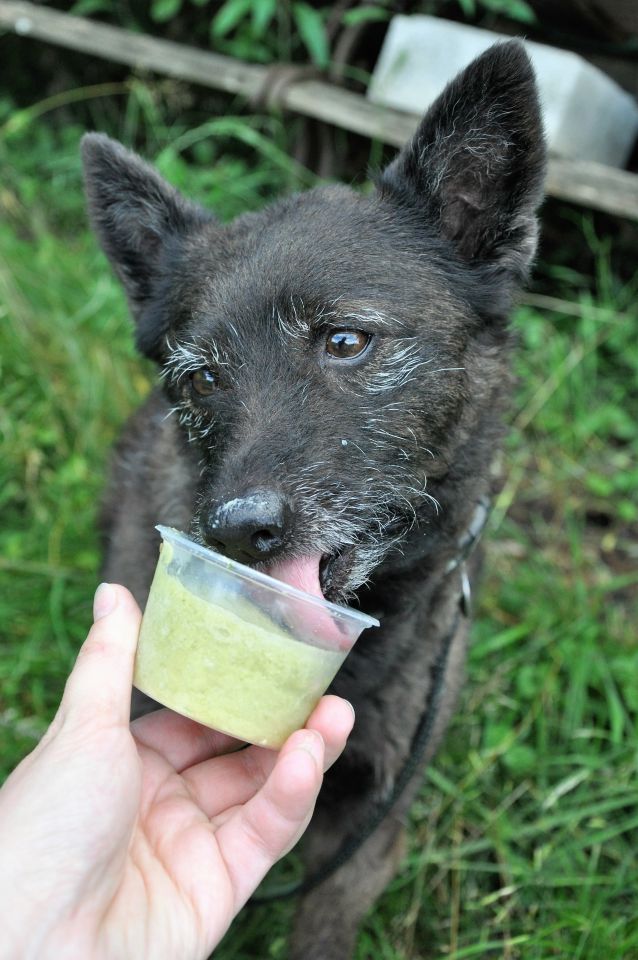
247 528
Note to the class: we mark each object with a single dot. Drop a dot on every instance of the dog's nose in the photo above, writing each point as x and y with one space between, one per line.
251 527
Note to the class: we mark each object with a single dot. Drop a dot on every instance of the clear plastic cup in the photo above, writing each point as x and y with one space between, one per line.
236 649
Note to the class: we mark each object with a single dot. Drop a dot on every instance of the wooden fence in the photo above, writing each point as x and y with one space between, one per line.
590 184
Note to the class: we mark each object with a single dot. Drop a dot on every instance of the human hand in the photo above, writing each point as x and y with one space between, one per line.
144 841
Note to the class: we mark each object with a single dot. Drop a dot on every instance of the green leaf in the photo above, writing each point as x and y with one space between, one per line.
529 680
627 511
520 759
163 10
516 9
312 32
519 10
262 12
495 734
199 3
84 8
364 15
245 47
468 7
599 485
229 16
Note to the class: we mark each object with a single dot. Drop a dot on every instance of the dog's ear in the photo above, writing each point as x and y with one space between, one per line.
137 217
475 166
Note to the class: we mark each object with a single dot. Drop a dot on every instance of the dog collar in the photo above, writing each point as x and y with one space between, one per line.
472 534
467 543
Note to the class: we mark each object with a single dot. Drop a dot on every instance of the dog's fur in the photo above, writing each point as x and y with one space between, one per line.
381 459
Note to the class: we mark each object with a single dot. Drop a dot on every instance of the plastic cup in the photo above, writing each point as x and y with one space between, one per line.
235 649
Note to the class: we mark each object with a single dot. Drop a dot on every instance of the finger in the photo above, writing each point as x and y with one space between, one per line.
265 828
181 741
224 782
333 718
99 687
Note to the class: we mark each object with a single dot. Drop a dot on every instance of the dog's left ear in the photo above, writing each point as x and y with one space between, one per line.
475 167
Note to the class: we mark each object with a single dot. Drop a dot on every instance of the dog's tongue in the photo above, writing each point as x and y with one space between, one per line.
300 572
307 619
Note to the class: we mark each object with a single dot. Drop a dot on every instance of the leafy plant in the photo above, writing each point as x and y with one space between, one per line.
163 10
244 28
514 9
370 13
310 25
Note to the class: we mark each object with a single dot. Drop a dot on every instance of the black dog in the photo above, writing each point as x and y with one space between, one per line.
335 369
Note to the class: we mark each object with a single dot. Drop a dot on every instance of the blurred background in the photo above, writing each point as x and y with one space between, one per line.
524 835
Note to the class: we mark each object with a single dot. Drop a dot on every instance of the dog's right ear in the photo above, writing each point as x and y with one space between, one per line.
136 216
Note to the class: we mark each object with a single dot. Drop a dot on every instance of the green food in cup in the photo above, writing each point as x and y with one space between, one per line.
233 670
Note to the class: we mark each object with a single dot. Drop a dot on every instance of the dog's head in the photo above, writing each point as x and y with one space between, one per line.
333 357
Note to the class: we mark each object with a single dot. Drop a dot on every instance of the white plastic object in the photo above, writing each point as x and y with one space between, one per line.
587 115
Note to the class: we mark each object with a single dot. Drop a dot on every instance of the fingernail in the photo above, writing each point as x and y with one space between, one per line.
104 601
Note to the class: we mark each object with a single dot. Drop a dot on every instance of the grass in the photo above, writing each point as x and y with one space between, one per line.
523 836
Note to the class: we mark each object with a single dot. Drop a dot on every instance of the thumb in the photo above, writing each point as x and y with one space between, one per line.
100 683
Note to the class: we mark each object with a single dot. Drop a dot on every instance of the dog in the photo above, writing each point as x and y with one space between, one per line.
334 374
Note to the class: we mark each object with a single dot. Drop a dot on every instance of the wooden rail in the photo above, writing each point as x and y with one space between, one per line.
590 184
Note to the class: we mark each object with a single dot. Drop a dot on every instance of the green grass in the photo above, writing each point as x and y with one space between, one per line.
523 836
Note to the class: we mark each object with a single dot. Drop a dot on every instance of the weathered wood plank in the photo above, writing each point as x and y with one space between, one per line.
594 185
324 101
135 50
589 184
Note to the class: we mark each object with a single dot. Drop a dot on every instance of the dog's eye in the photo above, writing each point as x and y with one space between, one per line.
204 382
344 344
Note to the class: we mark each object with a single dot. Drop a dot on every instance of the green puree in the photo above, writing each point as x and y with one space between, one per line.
201 660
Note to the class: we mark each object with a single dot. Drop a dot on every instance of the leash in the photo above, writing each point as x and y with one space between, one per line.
422 735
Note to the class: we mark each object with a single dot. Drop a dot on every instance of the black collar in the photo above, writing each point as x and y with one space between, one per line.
466 544
472 534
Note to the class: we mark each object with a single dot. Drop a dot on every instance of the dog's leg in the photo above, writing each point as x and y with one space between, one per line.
328 918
